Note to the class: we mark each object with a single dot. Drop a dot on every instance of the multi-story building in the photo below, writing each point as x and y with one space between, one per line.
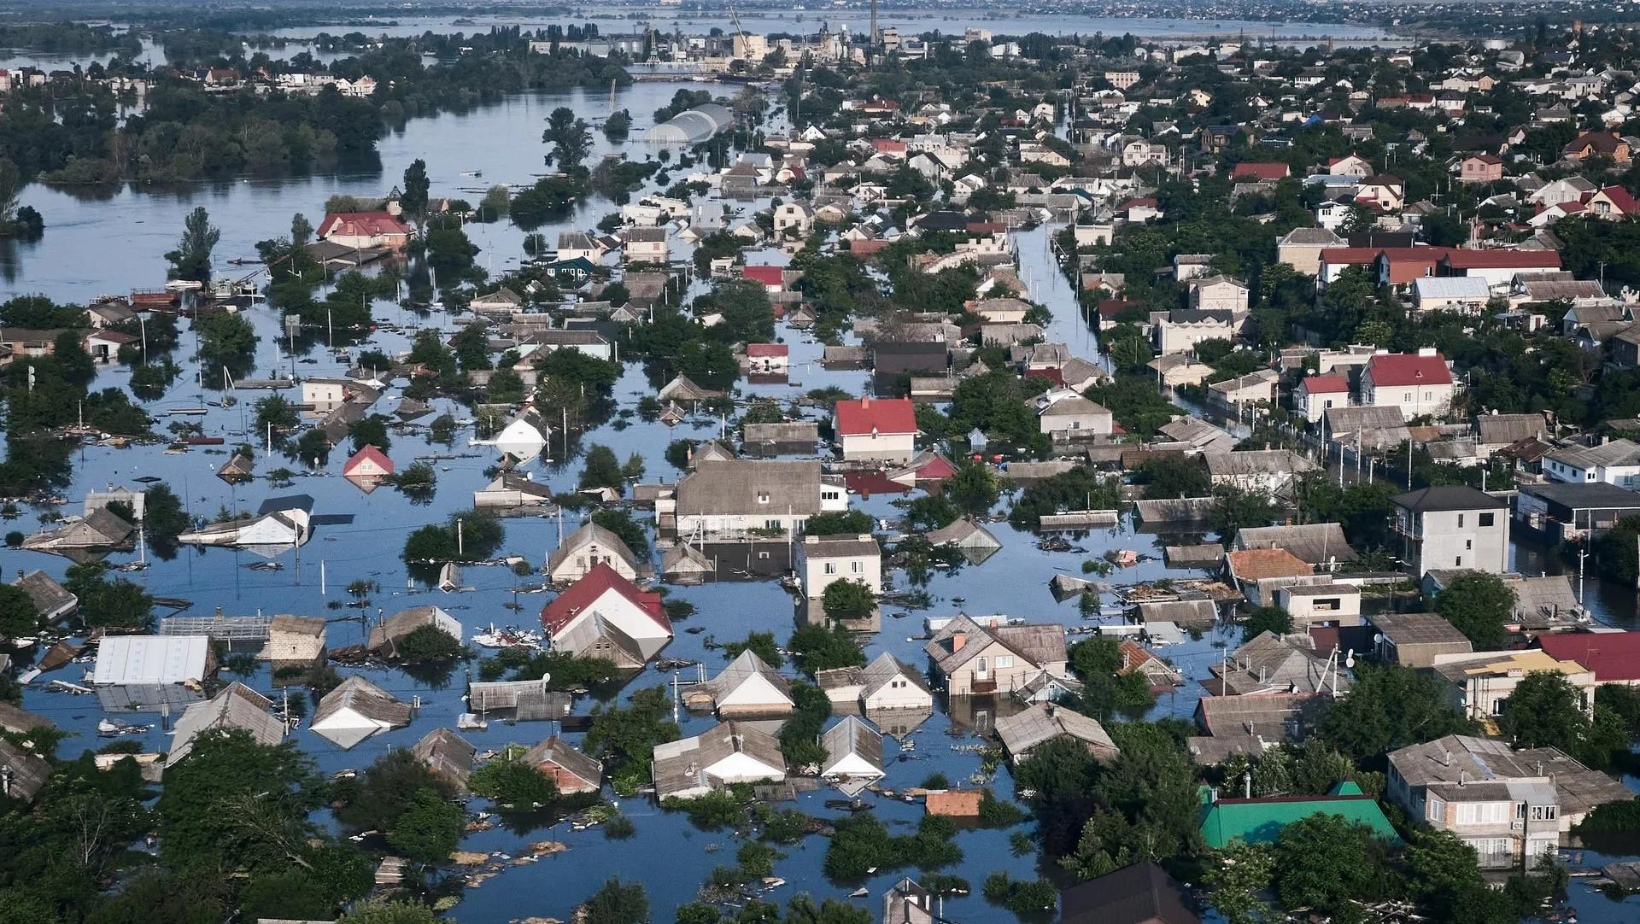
1509 805
1421 385
1452 526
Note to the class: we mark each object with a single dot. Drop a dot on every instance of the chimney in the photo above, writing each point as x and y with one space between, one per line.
865 401
958 639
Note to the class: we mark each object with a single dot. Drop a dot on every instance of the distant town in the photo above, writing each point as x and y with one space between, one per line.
514 465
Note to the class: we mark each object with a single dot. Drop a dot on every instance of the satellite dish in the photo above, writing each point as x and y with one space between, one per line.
1378 638
546 679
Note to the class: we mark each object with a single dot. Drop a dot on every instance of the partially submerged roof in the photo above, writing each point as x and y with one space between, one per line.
1137 894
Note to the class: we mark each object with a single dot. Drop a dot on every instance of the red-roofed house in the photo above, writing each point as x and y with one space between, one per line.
1401 266
368 462
888 146
768 357
772 277
365 230
1420 385
1259 172
1499 267
1316 393
1612 203
1141 209
877 429
1613 656
604 615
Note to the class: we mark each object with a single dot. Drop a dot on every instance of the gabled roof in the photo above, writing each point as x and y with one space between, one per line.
743 668
881 415
559 752
589 590
1138 894
1397 370
1257 564
590 533
370 454
236 707
1613 656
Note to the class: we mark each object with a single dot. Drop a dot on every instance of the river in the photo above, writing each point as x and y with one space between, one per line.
112 245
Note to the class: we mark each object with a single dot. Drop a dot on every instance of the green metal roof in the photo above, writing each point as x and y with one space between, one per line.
1259 821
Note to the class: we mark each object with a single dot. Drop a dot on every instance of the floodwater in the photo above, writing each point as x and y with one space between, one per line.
113 245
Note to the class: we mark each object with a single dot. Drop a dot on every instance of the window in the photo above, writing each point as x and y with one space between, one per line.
1457 562
1487 520
1407 396
1468 544
1328 603
857 566
1460 521
831 567
763 497
771 524
1436 810
1004 662
763 556
983 670
1544 813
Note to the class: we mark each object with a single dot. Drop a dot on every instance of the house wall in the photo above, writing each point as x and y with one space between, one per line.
883 447
1179 338
821 572
900 693
1413 400
1476 539
1003 671
1340 609
566 781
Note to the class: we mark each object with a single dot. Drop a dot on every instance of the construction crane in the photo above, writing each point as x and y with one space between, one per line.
745 43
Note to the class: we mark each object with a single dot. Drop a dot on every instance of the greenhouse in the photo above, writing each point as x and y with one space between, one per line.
692 126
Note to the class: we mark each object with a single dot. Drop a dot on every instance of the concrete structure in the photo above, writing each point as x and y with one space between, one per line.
1480 682
1452 526
1421 385
1416 639
824 560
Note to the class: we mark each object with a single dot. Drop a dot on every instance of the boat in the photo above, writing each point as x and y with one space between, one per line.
109 728
507 637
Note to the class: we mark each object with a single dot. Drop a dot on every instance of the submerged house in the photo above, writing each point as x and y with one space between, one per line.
447 755
750 687
605 615
589 546
236 707
151 673
854 755
973 660
386 636
277 529
728 752
51 600
1026 731
98 530
1259 821
570 770
356 710
295 640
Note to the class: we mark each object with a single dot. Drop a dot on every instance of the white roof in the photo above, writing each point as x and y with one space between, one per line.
1451 287
151 659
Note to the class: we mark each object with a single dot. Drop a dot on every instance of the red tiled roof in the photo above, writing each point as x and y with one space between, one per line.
1491 160
1260 171
876 415
362 224
767 349
1325 384
768 275
1502 259
888 145
586 592
1613 656
1338 256
867 247
1396 369
1620 197
1142 202
372 454
937 468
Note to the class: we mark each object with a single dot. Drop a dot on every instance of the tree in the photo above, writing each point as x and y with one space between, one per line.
847 599
1479 605
509 781
275 413
761 644
18 615
162 515
602 470
413 197
1440 867
1172 477
11 185
1545 710
1325 861
1234 509
301 231
973 488
235 803
377 911
618 903
192 258
841 523
1389 707
1266 619
374 800
620 522
369 431
817 648
569 136
1239 876
429 829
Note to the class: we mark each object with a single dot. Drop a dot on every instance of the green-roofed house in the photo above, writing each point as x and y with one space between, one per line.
1259 821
